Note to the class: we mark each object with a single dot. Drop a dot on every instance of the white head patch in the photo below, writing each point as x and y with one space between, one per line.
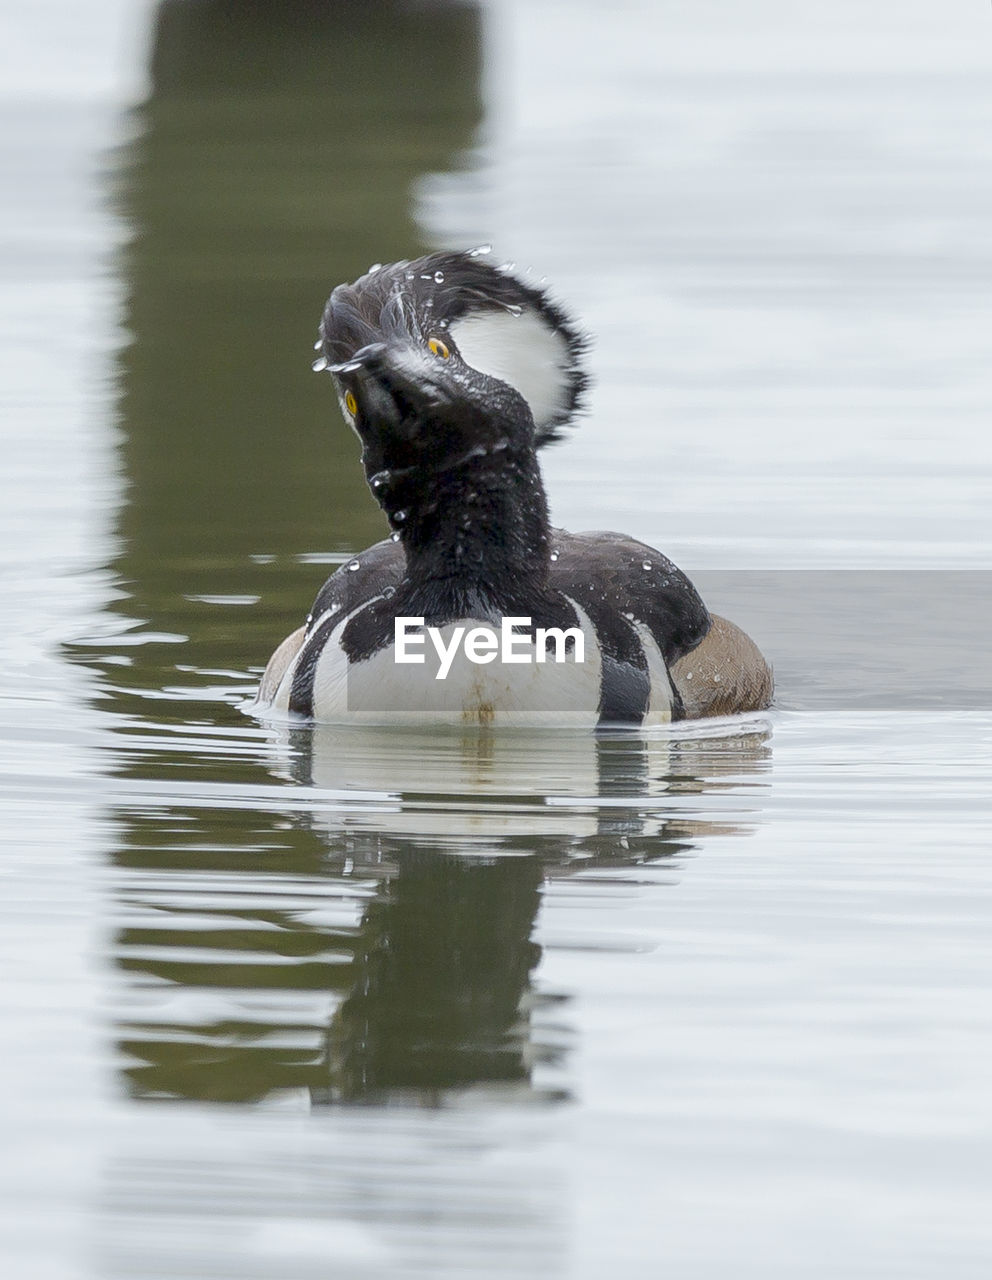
523 350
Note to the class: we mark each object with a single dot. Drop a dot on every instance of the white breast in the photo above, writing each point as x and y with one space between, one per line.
380 690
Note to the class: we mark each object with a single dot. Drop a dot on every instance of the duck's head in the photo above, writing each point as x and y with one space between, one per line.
446 359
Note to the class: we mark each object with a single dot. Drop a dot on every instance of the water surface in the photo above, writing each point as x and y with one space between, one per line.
366 1004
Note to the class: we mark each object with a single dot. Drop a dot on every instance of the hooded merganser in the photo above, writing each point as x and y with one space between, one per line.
453 374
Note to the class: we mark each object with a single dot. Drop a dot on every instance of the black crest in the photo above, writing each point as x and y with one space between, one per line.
472 306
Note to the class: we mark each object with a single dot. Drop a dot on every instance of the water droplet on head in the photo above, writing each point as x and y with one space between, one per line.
399 516
376 266
483 248
353 566
646 564
410 275
554 555
505 268
439 277
688 675
514 309
388 592
318 344
394 537
319 365
427 276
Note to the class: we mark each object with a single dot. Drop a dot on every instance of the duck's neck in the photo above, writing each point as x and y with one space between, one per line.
476 533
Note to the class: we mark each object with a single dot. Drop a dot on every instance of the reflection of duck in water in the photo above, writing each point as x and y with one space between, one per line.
562 795
453 374
381 944
442 996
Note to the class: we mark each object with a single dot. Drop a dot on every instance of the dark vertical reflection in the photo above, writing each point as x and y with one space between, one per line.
377 943
442 969
277 154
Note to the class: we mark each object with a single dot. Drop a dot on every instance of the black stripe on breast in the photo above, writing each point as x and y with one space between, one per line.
301 692
371 622
368 576
625 691
625 683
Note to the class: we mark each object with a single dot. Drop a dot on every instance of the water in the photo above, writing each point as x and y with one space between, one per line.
386 1004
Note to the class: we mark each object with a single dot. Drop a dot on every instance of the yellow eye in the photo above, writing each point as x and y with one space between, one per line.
438 348
350 403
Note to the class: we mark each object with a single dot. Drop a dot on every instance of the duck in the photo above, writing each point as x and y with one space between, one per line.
455 373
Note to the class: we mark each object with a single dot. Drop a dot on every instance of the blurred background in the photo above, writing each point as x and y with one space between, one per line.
429 1007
